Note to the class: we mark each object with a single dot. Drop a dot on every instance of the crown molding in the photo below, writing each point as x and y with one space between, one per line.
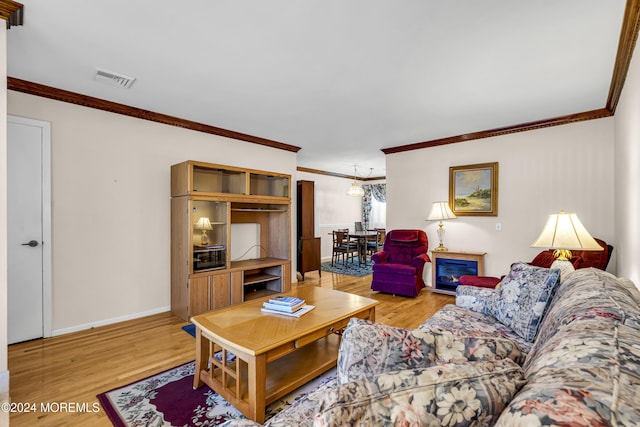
339 175
113 107
626 45
524 127
12 12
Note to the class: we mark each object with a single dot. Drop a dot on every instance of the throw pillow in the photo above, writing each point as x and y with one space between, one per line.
464 394
521 300
368 349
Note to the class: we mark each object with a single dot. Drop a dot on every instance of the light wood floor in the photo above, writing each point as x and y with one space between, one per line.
76 367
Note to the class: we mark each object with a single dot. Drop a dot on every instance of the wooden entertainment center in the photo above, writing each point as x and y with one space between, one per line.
207 200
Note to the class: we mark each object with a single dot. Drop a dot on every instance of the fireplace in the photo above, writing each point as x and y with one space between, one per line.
448 272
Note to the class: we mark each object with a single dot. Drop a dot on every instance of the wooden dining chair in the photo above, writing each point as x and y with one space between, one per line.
375 243
343 246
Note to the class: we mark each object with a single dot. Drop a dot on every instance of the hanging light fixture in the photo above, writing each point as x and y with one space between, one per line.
356 189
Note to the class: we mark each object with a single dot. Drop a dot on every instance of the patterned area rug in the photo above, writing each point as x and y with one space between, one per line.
168 399
351 269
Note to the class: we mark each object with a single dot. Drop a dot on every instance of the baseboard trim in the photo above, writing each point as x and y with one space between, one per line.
105 322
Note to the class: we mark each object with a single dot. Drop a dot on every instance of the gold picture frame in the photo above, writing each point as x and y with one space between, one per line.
473 189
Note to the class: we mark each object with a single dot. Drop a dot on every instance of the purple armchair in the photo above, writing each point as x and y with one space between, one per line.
398 267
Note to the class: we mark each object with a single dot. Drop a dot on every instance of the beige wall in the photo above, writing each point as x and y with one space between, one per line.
333 208
627 175
111 206
566 167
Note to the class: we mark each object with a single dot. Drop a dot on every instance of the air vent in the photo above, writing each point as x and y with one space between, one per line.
114 79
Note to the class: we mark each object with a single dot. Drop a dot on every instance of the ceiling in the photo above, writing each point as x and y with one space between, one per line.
342 79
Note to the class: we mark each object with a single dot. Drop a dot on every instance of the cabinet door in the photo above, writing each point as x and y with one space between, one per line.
199 295
220 291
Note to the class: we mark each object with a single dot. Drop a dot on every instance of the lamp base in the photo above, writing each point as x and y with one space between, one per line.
441 248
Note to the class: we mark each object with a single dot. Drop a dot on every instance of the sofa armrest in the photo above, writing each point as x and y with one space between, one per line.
420 260
477 299
379 257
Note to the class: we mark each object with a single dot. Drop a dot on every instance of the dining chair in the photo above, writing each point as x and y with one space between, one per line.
343 246
375 244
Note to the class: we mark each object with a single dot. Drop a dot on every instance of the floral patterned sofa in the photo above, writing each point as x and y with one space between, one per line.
534 352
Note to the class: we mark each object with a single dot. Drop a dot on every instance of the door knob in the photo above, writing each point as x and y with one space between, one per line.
32 243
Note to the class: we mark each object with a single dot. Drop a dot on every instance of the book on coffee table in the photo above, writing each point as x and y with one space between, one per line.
299 312
286 300
283 307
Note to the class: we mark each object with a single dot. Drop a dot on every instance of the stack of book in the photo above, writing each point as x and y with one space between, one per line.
289 306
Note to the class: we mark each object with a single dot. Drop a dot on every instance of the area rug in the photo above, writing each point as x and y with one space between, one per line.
168 399
353 268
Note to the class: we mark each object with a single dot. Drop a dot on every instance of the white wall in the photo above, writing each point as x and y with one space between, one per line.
627 176
566 167
334 209
111 206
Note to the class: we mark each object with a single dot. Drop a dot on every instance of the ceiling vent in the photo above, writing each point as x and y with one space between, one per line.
114 79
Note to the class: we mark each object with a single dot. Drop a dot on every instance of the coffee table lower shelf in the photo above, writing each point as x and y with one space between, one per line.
283 375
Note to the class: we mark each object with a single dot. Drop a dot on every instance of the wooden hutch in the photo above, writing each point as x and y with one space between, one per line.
208 202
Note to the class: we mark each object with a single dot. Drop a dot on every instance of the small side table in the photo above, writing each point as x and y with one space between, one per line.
448 266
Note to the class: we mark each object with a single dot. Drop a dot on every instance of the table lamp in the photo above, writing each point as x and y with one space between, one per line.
440 211
564 232
203 224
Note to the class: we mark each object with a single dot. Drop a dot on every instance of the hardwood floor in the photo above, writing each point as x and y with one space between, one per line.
74 368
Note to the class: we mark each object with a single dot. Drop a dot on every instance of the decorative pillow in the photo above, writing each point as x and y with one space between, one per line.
477 299
464 394
522 298
368 349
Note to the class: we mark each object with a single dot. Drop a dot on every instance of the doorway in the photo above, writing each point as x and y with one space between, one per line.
28 229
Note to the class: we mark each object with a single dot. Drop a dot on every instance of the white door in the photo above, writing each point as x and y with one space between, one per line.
28 233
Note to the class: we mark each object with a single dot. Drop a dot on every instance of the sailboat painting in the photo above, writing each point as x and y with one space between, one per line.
473 189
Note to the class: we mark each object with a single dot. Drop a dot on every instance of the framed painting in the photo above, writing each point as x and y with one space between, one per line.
473 189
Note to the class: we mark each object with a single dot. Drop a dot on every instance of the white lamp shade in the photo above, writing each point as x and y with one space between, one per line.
440 211
204 224
565 231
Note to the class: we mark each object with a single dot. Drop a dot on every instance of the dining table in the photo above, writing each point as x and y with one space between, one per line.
362 237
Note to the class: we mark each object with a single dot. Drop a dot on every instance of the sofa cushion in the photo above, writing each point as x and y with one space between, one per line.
522 298
462 321
368 349
457 394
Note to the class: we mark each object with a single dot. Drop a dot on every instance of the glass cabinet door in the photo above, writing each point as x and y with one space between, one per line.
212 180
209 235
269 185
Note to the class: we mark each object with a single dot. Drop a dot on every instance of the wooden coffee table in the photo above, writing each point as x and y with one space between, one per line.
274 354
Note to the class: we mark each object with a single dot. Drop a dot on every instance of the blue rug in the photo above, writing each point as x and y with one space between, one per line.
190 329
351 269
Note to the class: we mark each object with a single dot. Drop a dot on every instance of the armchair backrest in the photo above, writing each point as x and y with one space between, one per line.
579 259
402 246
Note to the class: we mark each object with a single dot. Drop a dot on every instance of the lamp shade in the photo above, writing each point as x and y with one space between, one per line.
204 224
440 211
565 231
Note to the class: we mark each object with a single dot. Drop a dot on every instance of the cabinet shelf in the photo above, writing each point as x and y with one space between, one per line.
256 210
252 279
